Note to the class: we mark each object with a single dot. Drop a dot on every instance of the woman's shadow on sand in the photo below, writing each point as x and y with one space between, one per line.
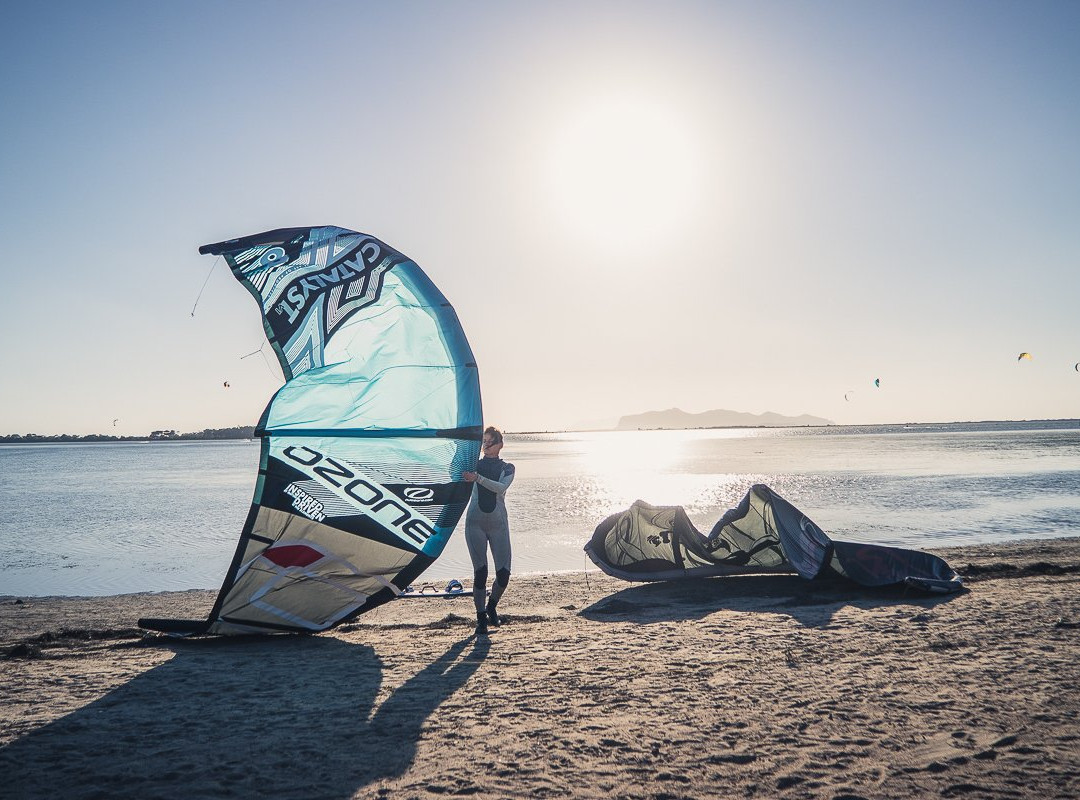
271 717
811 604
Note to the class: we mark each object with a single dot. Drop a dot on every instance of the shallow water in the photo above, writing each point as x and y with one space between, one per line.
98 519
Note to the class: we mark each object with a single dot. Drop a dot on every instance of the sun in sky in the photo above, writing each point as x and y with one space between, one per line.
623 171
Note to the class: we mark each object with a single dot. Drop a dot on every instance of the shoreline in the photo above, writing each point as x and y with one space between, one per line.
976 553
755 686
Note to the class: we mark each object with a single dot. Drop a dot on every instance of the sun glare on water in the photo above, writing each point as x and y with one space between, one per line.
623 172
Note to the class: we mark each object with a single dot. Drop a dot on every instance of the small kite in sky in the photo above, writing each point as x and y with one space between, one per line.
877 382
115 421
1024 357
226 384
848 395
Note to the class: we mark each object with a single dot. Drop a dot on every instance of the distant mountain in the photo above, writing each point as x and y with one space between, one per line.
601 424
717 418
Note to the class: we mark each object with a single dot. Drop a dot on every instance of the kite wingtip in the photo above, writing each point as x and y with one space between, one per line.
214 249
185 627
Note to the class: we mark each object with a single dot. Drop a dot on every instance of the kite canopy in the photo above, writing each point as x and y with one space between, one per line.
360 480
763 534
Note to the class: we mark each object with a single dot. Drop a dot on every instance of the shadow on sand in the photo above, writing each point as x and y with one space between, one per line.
293 717
810 603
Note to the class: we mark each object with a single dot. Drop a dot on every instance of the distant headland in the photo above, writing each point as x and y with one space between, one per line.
212 434
676 418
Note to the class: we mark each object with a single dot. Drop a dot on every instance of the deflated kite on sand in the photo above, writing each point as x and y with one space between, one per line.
763 534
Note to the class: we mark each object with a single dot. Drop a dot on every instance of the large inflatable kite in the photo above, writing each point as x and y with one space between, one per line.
763 534
360 481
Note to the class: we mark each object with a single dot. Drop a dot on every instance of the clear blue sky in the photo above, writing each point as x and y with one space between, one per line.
754 205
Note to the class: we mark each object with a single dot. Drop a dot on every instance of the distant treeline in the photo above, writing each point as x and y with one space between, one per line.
244 432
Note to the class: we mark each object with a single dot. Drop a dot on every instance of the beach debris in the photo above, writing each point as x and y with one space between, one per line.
360 484
616 607
35 646
24 650
763 534
1008 570
730 758
86 635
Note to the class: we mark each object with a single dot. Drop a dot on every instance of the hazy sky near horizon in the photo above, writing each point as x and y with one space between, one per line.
758 206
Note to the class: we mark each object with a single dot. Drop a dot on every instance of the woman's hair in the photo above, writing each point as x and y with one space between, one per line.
494 433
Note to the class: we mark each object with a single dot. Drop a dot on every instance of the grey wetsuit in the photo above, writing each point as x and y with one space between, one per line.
486 524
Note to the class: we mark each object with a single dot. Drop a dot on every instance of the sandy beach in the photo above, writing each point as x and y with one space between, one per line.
740 687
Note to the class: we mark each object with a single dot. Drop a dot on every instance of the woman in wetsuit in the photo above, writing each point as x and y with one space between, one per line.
486 524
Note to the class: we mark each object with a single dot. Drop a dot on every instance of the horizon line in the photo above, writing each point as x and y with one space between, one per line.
195 435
